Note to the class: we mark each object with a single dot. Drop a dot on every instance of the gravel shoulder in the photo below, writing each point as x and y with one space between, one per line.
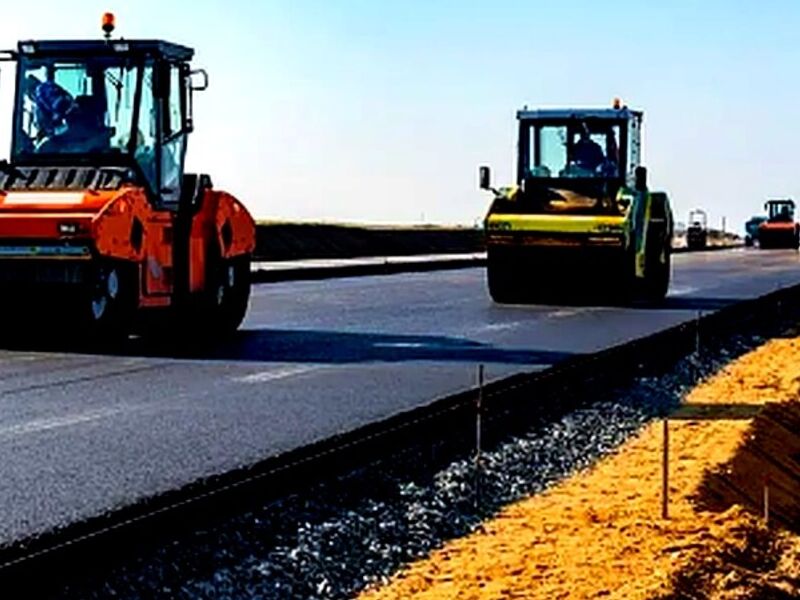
357 531
600 532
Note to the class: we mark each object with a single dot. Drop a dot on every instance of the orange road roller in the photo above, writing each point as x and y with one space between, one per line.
97 215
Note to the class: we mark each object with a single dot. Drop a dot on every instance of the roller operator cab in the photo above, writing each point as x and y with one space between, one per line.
580 219
96 211
779 230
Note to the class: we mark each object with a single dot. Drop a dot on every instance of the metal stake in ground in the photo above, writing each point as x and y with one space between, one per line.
478 409
697 333
665 472
696 361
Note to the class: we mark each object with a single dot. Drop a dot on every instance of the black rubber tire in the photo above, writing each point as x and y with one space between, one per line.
500 279
106 307
657 277
229 294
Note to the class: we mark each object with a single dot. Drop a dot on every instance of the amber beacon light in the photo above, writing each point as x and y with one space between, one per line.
109 23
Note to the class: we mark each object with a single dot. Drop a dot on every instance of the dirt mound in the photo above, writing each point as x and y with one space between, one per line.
770 456
290 241
745 561
750 560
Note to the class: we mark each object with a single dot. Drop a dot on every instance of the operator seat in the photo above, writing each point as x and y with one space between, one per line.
86 124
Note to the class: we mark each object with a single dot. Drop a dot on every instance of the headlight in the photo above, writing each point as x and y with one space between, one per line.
68 228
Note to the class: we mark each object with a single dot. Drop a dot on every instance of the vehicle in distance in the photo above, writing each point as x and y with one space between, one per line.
751 227
697 232
580 219
780 229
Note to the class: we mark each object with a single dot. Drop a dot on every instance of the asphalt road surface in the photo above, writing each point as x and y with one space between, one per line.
81 434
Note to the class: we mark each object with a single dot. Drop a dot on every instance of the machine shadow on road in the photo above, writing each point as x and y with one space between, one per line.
692 304
321 346
668 303
335 347
297 346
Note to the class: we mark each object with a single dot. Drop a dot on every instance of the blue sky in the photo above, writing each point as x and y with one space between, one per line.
357 110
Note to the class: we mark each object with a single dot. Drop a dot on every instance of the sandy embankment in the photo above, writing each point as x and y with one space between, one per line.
600 533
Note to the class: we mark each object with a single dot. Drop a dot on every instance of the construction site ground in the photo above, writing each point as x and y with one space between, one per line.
601 533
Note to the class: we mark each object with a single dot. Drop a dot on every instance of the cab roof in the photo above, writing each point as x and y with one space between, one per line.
562 114
95 48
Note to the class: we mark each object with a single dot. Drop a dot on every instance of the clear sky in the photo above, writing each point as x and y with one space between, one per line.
364 110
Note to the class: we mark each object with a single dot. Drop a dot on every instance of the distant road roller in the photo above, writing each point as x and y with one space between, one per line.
581 218
97 214
697 231
780 230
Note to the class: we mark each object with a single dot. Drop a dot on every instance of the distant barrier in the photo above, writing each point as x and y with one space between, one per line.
301 241
290 241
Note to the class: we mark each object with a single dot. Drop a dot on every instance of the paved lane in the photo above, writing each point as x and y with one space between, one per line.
81 434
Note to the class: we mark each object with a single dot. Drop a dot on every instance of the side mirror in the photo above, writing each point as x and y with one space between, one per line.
198 80
485 177
640 181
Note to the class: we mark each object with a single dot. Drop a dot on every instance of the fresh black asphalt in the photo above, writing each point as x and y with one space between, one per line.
82 434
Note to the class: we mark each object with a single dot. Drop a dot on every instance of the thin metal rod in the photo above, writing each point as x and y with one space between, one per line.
479 407
697 333
478 410
665 473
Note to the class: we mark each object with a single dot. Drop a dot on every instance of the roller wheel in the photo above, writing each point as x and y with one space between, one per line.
107 306
657 276
229 294
499 276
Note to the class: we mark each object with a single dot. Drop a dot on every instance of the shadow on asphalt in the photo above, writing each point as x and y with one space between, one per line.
333 347
668 303
693 304
301 346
